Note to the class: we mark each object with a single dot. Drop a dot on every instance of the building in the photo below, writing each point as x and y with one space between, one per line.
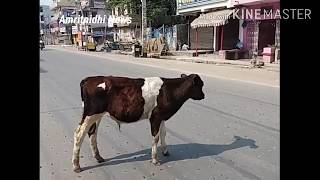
62 32
126 23
259 31
95 32
77 33
214 26
205 33
45 17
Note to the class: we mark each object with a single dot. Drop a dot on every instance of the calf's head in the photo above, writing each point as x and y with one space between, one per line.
195 85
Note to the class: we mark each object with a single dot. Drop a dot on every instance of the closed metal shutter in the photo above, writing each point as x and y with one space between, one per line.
205 38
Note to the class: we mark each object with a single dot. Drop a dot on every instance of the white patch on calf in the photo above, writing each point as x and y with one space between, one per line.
163 137
79 135
102 85
154 148
150 92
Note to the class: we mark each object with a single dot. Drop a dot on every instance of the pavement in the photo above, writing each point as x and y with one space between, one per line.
232 134
215 59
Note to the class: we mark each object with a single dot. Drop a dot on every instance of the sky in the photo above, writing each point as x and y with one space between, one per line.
46 2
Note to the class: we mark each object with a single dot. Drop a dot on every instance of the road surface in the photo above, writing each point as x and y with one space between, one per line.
232 134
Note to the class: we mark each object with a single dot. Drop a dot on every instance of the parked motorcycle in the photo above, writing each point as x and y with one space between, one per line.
41 44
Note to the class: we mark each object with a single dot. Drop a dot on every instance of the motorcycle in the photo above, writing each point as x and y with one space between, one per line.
41 44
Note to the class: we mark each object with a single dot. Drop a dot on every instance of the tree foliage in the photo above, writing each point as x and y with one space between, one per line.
155 8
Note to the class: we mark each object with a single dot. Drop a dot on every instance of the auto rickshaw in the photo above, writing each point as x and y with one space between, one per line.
91 46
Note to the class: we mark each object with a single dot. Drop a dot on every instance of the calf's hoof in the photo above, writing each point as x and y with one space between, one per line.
99 159
156 162
77 169
166 153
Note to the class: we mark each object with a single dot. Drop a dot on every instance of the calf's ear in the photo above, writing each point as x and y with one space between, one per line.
108 85
183 75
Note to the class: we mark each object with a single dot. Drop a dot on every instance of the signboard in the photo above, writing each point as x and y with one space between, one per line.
74 29
110 22
54 29
63 29
182 2
99 4
196 3
79 37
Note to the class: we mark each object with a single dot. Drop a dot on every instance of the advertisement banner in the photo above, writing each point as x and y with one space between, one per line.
74 30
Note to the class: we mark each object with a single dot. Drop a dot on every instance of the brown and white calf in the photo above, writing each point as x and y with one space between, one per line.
128 100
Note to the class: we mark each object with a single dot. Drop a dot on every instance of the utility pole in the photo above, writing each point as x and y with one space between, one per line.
83 26
78 25
79 7
143 23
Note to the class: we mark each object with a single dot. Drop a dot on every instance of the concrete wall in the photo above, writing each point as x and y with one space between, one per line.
252 28
275 7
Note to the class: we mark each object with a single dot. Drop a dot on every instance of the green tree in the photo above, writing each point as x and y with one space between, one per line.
155 8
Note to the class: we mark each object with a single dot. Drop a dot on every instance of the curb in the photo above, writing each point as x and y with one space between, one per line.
269 68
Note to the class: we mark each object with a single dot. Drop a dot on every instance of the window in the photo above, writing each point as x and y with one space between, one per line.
41 9
42 18
119 11
94 14
129 9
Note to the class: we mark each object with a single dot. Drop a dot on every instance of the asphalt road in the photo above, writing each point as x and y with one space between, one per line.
232 134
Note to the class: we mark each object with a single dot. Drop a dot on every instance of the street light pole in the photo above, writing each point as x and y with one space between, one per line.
143 23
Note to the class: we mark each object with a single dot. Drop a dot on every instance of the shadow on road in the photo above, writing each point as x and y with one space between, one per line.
180 152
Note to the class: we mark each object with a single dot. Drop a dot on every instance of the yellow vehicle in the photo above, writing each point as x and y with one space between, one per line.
91 46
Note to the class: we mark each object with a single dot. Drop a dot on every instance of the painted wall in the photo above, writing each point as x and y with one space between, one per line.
251 10
251 31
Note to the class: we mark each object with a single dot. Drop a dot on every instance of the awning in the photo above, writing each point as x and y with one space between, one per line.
217 18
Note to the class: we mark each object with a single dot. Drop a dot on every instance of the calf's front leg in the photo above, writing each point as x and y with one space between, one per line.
155 131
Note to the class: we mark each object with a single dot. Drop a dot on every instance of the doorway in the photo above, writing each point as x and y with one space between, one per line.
267 30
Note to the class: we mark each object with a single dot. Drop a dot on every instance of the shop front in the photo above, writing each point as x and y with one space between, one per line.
261 31
217 30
